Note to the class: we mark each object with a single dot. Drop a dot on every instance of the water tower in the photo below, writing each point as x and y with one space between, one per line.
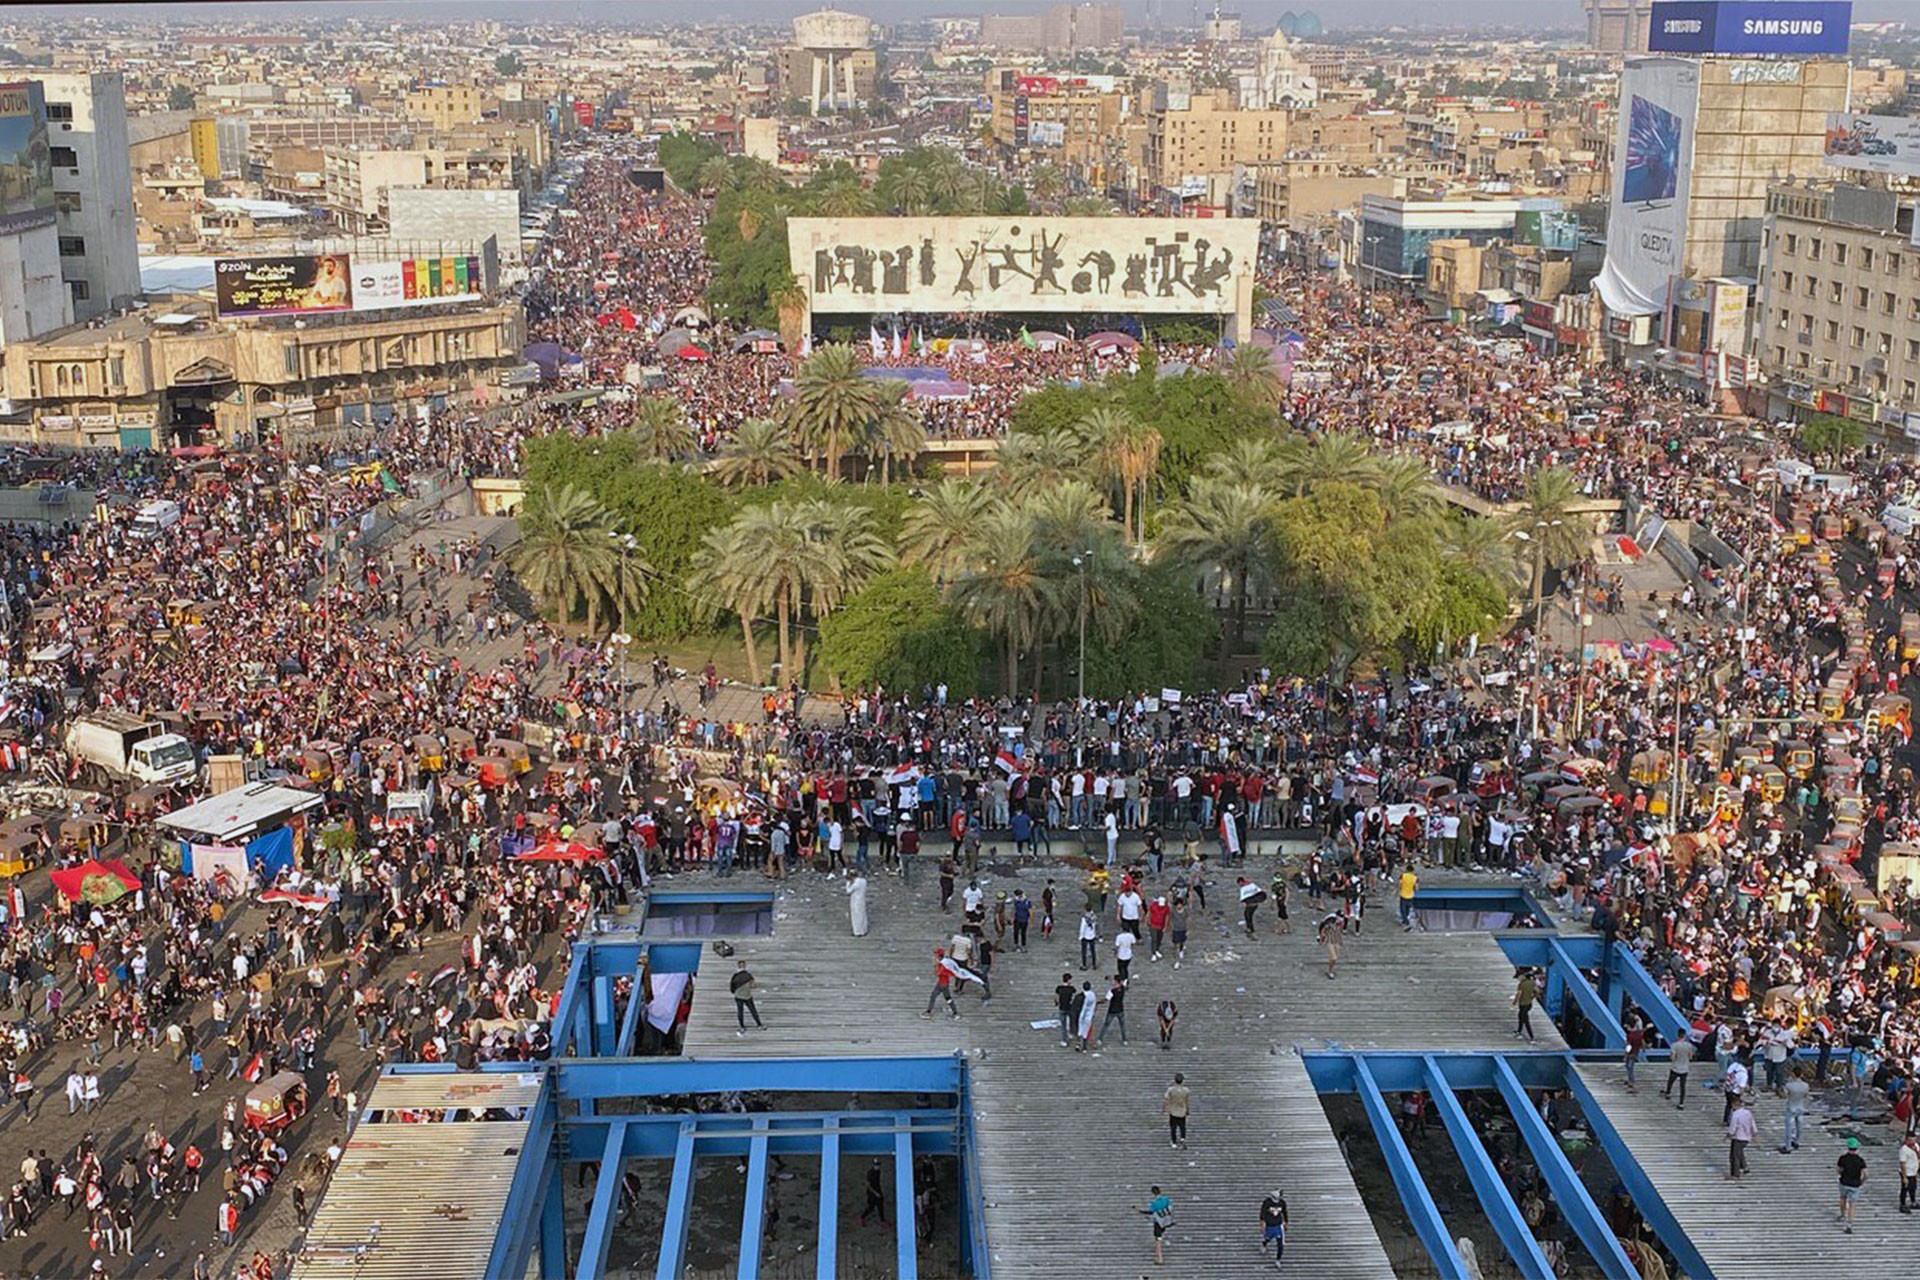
830 38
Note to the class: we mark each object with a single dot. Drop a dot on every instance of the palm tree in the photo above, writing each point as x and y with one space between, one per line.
832 404
844 200
772 544
789 303
1259 461
1127 452
1329 458
660 426
731 572
1546 521
906 188
757 175
1005 593
946 172
847 553
895 432
714 175
1252 374
1405 486
1480 544
938 530
1030 461
761 452
1046 182
565 556
1220 527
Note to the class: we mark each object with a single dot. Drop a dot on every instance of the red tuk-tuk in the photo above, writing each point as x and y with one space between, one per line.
276 1102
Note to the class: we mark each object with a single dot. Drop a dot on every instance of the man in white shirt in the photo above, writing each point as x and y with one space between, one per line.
1112 824
1077 813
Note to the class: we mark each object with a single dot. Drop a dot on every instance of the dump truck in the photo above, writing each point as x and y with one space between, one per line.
128 748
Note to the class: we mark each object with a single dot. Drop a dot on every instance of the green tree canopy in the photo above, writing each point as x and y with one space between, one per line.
897 632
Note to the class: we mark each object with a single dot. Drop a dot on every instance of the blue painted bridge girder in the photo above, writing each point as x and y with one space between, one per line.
1415 1198
1513 1075
1570 1194
1496 1201
785 1133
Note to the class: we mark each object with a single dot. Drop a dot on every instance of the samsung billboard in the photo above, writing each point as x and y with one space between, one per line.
1796 27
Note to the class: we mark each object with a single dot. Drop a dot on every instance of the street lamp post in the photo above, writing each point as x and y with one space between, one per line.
1081 563
626 542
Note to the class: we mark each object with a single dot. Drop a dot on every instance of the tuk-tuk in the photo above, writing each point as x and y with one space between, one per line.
1802 533
1892 711
1832 528
1850 808
276 1102
1650 767
1584 770
462 746
1833 703
493 771
429 752
19 854
1433 790
1910 636
1885 571
517 754
321 760
1773 785
1489 777
1797 758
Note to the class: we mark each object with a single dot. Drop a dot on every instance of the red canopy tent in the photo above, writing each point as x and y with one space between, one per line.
557 851
71 882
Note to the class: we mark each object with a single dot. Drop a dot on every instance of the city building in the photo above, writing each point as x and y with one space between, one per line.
1063 28
456 218
180 377
1838 308
1390 241
33 297
93 189
1281 81
1196 141
830 65
1702 143
1072 120
1618 26
444 106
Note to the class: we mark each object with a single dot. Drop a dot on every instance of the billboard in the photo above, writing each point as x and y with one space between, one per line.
1798 27
26 160
417 282
982 264
1647 214
1047 133
296 284
1876 144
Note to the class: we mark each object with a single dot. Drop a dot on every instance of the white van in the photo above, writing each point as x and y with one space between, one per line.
1837 483
1899 519
1793 473
155 518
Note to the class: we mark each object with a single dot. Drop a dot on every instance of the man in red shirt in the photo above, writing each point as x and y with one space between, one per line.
1157 913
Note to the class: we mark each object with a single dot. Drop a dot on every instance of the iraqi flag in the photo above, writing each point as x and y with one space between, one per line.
1009 763
901 776
1229 833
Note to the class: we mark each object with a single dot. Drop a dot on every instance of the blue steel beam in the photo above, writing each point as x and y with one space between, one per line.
1569 1193
538 1164
905 1240
1591 1003
1414 1196
656 1137
753 1218
826 1264
654 1077
1646 1197
630 1023
553 1225
1495 1199
1401 1072
598 1235
566 1013
673 1226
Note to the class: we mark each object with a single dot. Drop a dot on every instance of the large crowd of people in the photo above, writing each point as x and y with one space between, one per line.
264 622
